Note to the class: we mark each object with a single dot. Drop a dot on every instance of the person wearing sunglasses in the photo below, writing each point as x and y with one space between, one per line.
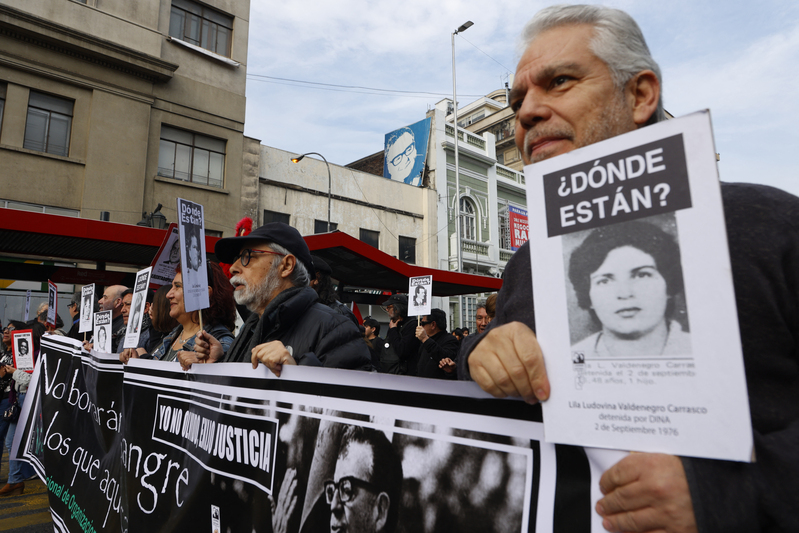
271 269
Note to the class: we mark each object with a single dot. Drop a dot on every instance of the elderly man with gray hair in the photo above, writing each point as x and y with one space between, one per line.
271 270
586 75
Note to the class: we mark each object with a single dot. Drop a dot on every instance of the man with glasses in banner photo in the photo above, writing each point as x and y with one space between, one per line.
364 494
271 269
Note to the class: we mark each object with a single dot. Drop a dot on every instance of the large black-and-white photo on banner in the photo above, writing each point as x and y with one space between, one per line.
194 272
625 291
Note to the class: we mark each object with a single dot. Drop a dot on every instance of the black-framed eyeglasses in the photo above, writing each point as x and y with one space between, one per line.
386 308
246 255
346 488
9 329
425 322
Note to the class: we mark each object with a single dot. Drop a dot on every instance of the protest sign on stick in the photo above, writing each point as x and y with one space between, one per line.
194 271
420 289
86 308
22 349
102 332
167 259
137 305
634 302
27 304
52 303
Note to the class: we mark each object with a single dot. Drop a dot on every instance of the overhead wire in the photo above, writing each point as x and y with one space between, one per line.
358 89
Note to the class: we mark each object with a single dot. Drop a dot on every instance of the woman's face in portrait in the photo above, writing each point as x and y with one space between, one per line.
628 294
194 252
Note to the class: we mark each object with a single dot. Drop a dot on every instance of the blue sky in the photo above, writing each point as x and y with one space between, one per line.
739 59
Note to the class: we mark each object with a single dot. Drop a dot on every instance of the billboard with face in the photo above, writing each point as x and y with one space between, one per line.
405 153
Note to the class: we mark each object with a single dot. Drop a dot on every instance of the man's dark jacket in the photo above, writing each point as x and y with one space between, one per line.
315 334
405 344
439 346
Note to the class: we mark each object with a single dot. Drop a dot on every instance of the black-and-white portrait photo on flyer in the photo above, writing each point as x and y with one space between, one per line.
635 309
137 306
22 347
625 291
86 308
102 332
191 226
420 290
167 259
52 302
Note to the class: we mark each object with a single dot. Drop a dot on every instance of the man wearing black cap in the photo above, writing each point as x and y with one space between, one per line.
270 270
323 285
401 342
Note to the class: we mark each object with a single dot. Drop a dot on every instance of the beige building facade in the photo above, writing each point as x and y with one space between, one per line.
396 218
117 106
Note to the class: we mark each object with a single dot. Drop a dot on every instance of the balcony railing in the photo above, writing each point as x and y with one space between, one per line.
509 173
471 139
474 247
505 255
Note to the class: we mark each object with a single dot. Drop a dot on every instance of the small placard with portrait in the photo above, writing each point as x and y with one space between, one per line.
22 348
420 289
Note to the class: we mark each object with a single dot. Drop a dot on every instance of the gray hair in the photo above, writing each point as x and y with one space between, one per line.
300 276
617 41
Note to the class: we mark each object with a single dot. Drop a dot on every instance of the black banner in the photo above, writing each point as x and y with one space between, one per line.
640 182
148 447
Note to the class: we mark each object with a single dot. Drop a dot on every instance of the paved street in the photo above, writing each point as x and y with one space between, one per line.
29 512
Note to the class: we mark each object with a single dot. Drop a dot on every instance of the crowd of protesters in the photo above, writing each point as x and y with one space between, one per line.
291 316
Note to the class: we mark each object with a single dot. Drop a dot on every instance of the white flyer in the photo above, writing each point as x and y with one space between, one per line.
194 271
102 332
167 259
633 292
86 308
137 306
420 288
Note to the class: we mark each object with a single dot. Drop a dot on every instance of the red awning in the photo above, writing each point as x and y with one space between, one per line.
358 264
53 237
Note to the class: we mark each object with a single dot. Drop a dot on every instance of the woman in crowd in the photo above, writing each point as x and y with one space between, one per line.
161 325
19 471
6 358
218 320
627 276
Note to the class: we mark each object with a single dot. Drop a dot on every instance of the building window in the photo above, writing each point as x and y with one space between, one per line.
48 125
372 238
468 227
320 226
201 26
37 208
469 312
407 249
274 216
188 156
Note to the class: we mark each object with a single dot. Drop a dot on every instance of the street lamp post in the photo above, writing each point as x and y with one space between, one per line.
329 181
463 27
